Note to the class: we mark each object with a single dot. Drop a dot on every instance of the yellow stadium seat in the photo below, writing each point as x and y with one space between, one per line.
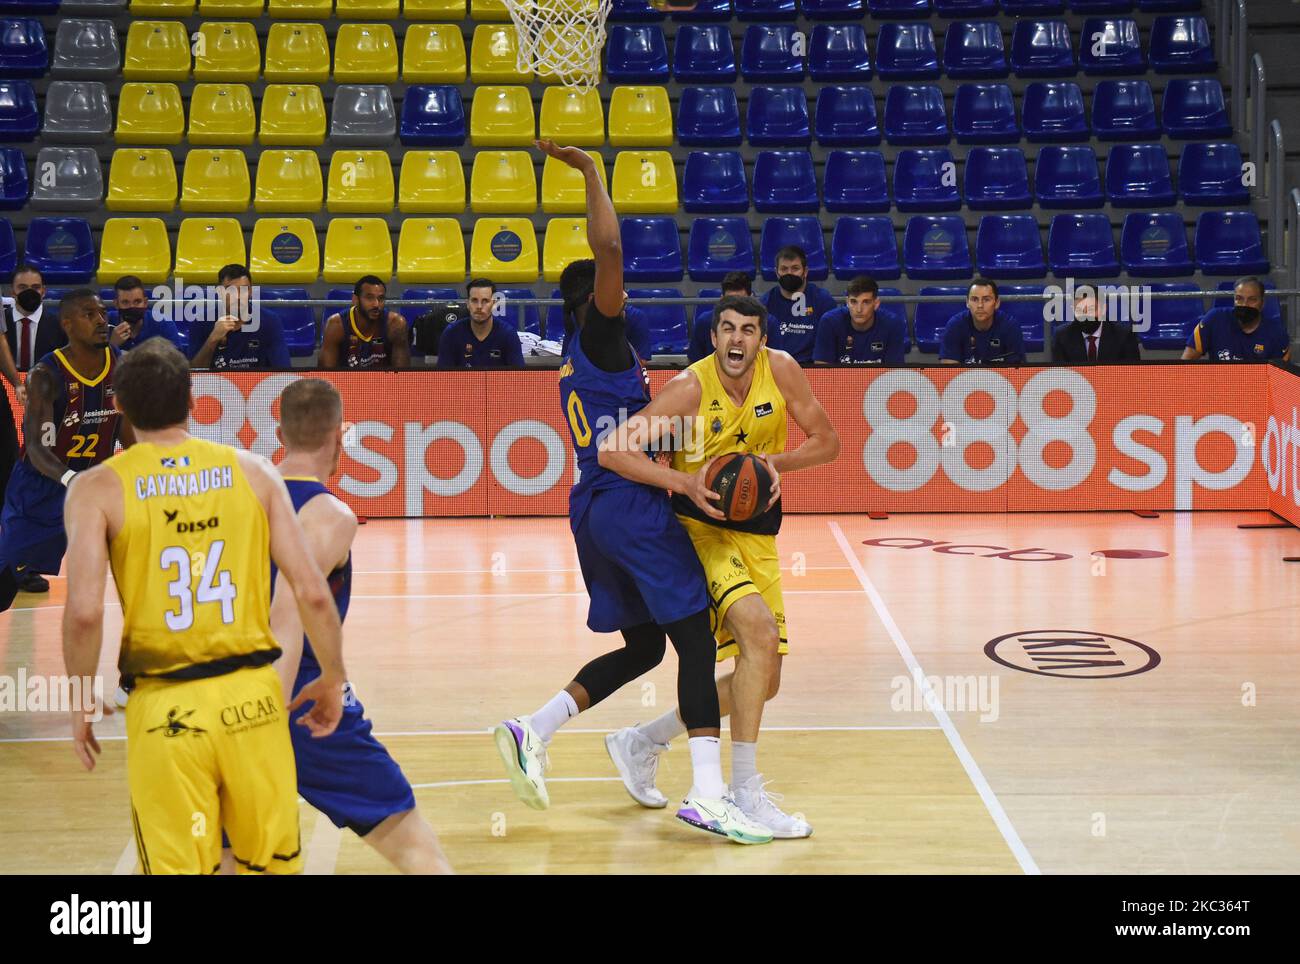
572 117
297 53
640 117
430 249
137 246
433 53
157 50
284 251
566 242
249 9
365 53
564 190
162 8
493 54
367 9
227 52
222 114
493 10
502 117
444 10
141 179
299 9
357 246
432 182
360 182
504 249
215 180
288 181
205 245
293 115
150 114
645 182
503 182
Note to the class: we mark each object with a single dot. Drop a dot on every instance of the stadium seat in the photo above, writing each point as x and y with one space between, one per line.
769 54
804 232
493 56
906 51
493 10
864 245
1210 173
667 323
215 180
984 114
1154 245
8 251
161 8
572 117
564 243
1008 246
1172 319
503 182
247 9
640 117
651 249
289 181
1042 48
704 313
433 117
833 9
23 52
150 114
367 9
222 114
909 9
914 114
502 117
365 53
1081 246
784 181
1194 108
973 49
360 182
293 115
1066 177
137 246
299 9
1137 176
13 179
86 49
564 190
1111 45
284 251
523 317
1124 110
855 182
39 7
932 316
62 248
966 8
703 54
778 117
644 182
1053 111
634 11
205 245
363 115
714 11
637 54
431 182
1027 315
764 10
76 111
1101 6
141 179
227 52
297 53
1182 45
846 117
356 247
935 246
1229 243
997 179
430 250
298 322
434 53
443 10
714 181
67 179
157 50
708 117
504 249
839 52
718 246
926 180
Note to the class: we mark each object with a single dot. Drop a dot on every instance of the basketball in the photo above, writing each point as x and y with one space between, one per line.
744 483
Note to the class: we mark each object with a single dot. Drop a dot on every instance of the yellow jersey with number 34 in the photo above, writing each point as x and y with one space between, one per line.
192 563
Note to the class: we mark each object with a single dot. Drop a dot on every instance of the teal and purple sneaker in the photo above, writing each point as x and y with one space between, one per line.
723 817
524 754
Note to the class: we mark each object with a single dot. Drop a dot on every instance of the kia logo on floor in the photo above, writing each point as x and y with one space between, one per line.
1033 554
1072 654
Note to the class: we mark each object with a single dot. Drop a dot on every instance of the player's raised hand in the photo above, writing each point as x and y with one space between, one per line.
702 495
776 480
327 710
575 157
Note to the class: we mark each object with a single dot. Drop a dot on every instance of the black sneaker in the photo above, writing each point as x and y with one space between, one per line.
29 580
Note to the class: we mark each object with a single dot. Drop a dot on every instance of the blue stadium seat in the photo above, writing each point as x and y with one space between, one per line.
1182 45
778 117
634 11
833 9
13 179
714 181
899 8
523 317
1172 319
704 54
765 10
846 117
1210 173
1229 242
8 251
839 52
935 246
768 54
62 248
432 115
932 316
636 54
784 181
855 182
926 180
667 323
1101 6
298 321
718 246
966 8
1081 246
973 49
1154 245
1065 176
23 51
1111 45
1053 111
1195 108
914 114
1137 176
906 51
1009 246
997 179
890 308
1028 315
1032 8
704 313
865 245
1169 6
711 11
1272 307
708 117
1124 110
805 232
1042 48
652 250
985 114
553 321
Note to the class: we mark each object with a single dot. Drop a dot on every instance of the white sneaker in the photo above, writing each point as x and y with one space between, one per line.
120 698
524 754
752 798
723 817
636 757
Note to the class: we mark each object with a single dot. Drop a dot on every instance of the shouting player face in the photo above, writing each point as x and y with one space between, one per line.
87 324
737 340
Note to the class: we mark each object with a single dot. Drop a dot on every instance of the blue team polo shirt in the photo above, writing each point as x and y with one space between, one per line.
1218 336
839 343
798 334
242 349
967 345
458 348
151 327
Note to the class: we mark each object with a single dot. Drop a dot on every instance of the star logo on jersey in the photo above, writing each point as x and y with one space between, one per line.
171 516
715 406
176 725
741 437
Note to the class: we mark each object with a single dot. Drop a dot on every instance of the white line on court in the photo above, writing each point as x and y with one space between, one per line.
973 771
125 865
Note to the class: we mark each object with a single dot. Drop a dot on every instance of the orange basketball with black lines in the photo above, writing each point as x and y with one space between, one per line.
744 484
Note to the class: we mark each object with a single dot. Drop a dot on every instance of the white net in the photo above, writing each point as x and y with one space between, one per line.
561 39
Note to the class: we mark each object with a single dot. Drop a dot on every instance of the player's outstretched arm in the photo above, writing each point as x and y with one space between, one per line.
399 340
823 442
39 431
330 340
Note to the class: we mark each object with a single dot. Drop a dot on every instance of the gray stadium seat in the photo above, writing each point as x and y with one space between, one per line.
86 48
92 8
363 116
77 112
76 184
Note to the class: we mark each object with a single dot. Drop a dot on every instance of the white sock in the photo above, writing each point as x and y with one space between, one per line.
663 729
706 759
744 762
558 711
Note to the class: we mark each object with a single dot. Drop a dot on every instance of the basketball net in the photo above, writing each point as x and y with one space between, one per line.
561 39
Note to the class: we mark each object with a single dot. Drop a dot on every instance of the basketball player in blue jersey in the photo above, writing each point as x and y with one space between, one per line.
367 335
70 425
639 566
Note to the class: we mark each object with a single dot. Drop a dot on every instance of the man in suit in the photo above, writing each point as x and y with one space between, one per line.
1091 339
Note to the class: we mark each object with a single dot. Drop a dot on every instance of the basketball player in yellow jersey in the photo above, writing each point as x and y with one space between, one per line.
190 528
734 400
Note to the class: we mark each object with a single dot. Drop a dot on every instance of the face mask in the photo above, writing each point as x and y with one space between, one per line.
132 316
29 299
1245 316
790 283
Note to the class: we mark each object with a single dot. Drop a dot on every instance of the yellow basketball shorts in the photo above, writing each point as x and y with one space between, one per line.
206 754
736 565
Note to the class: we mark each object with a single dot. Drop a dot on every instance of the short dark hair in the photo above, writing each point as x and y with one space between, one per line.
577 282
233 272
1249 280
310 412
73 300
791 252
28 268
152 384
738 281
369 279
864 285
749 307
128 282
480 283
983 283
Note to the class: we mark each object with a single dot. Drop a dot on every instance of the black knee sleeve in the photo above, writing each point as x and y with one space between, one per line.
642 651
697 692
